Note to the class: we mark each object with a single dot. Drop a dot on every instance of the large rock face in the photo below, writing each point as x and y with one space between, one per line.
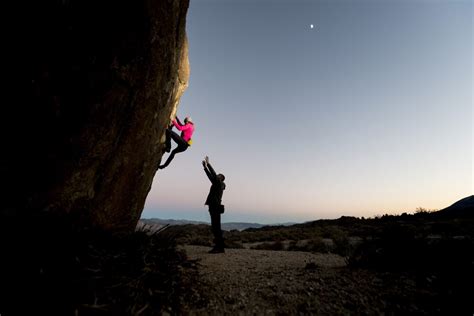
100 82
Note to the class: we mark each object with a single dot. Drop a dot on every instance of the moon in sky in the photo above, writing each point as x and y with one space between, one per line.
311 26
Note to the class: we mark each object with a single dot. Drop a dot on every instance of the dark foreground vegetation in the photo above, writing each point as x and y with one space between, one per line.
432 251
50 268
420 263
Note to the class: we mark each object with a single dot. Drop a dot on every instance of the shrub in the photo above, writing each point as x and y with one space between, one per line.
199 241
342 246
49 267
313 245
277 245
233 244
449 262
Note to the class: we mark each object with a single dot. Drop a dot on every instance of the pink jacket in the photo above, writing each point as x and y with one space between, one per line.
187 130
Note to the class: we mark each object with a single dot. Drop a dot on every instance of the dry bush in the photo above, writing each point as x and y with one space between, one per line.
49 267
277 245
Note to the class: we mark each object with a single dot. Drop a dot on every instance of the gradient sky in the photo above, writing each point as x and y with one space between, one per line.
370 112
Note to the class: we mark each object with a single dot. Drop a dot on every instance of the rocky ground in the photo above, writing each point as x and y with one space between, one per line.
263 282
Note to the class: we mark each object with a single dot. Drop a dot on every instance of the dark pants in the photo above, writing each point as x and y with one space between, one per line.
182 146
216 227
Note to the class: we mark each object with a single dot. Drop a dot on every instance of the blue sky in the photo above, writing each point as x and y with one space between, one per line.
369 112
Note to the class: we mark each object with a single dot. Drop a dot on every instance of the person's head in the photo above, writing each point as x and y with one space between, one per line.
221 177
188 119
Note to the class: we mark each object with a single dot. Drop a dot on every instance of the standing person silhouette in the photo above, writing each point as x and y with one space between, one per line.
214 201
183 141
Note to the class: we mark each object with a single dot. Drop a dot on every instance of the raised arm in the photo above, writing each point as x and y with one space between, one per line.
208 173
211 174
211 170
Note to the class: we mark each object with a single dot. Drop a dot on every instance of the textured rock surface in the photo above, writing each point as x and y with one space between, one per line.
97 87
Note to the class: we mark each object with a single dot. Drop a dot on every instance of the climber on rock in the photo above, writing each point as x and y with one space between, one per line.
183 141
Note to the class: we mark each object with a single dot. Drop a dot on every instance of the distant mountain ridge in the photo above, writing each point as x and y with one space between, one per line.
157 223
467 202
463 207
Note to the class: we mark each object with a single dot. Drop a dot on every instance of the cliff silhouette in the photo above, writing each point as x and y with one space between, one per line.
94 86
98 84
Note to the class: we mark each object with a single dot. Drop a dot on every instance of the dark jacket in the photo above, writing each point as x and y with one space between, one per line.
214 197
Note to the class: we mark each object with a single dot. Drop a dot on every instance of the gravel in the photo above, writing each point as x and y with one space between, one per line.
264 282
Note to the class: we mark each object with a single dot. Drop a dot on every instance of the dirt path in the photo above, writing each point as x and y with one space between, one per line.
259 282
262 282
